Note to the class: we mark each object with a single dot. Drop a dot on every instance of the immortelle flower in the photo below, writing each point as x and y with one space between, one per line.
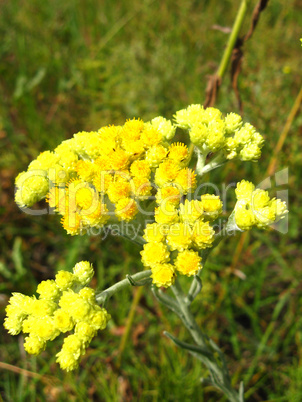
63 305
133 173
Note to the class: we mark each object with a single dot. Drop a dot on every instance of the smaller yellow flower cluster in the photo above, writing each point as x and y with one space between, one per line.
254 207
64 304
210 132
176 236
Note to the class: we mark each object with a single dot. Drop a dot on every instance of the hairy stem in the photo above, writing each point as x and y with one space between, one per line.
219 372
102 297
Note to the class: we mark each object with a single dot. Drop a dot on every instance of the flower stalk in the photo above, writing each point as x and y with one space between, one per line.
138 279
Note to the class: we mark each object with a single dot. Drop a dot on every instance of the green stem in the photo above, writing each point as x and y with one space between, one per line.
217 161
201 160
219 372
102 297
232 39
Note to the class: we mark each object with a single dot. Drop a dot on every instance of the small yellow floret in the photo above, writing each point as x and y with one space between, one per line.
64 280
212 205
163 275
86 170
71 222
190 211
203 234
186 180
140 168
141 187
166 214
126 209
48 290
168 194
164 126
63 321
118 188
154 253
188 262
34 344
179 236
153 233
186 118
244 216
155 155
150 137
244 190
179 153
166 172
83 272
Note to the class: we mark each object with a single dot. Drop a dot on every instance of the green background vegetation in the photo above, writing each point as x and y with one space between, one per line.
77 65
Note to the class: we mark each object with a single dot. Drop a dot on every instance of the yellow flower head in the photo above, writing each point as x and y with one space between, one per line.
168 194
164 126
71 222
264 216
102 181
83 272
166 214
64 280
150 136
166 172
134 148
155 155
32 187
163 275
153 233
154 253
119 188
186 118
141 187
190 211
203 234
63 321
186 180
126 209
48 290
95 216
199 134
260 199
216 135
244 190
212 205
119 159
233 122
188 262
140 168
72 349
178 152
244 216
86 170
34 344
250 152
179 236
132 129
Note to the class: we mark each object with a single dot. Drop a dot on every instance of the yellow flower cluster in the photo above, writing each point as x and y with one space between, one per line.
177 234
63 305
210 132
254 207
100 175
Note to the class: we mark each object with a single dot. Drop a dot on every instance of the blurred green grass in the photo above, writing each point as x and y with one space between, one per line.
78 65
